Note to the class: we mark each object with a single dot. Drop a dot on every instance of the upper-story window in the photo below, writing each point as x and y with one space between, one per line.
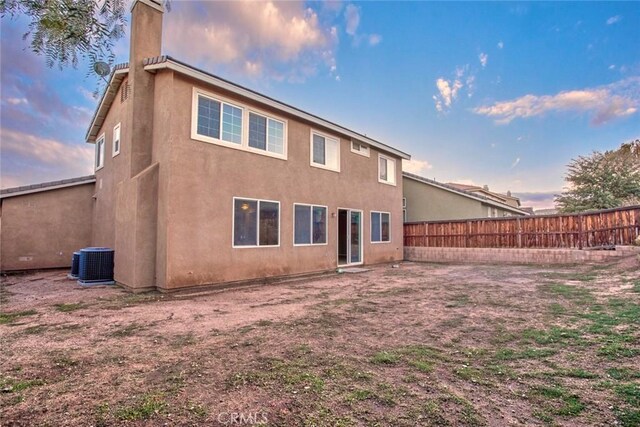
100 152
116 140
325 151
221 122
359 148
266 133
386 170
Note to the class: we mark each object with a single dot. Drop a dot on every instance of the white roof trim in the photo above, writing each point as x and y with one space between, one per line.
151 3
465 194
207 78
105 103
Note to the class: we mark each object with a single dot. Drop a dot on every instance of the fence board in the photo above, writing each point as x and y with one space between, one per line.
586 230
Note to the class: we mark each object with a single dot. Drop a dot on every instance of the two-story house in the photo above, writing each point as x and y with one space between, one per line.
200 181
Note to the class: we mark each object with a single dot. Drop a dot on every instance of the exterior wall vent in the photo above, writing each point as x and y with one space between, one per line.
96 266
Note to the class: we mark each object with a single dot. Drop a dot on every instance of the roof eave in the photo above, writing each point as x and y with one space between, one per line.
105 103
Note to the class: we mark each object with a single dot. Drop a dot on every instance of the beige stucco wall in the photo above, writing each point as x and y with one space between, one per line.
203 178
42 230
428 203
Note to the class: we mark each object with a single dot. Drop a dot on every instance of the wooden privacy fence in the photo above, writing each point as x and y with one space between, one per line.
588 230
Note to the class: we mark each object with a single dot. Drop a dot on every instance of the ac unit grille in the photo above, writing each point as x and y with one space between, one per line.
95 266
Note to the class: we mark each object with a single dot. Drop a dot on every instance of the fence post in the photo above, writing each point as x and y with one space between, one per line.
424 239
519 232
580 231
467 235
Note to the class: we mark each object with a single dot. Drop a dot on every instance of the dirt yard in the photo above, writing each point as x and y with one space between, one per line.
423 344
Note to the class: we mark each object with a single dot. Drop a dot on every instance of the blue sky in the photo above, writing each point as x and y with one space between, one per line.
504 94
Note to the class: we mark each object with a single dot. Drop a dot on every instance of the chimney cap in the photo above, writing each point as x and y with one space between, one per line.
156 4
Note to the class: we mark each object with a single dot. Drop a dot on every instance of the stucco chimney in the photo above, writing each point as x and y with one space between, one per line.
146 42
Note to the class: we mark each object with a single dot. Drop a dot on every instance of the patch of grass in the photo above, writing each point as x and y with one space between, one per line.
34 330
290 375
385 358
128 330
422 366
630 392
196 409
10 317
623 373
615 350
359 395
578 373
474 375
569 292
183 340
628 417
148 406
555 335
263 323
9 385
458 301
64 361
558 401
636 287
557 309
527 353
66 308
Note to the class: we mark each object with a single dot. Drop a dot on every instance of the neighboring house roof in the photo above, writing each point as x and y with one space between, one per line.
464 193
167 62
478 189
46 186
550 211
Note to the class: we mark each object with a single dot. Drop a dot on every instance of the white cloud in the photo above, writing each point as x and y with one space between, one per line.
612 67
281 40
515 163
45 159
614 19
374 39
352 16
483 57
17 101
448 90
606 103
500 44
415 166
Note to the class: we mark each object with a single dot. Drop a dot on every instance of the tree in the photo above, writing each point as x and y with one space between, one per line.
603 180
64 31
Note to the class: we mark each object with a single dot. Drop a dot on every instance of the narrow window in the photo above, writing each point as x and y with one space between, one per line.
100 152
386 170
256 223
208 117
310 225
380 227
231 124
116 140
219 120
325 152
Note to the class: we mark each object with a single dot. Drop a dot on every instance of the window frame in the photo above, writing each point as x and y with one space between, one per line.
375 242
244 137
265 152
388 159
100 144
117 128
326 229
233 223
326 137
365 153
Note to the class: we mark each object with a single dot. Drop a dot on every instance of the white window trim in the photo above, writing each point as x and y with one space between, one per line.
101 165
389 159
244 140
233 223
326 230
325 136
371 225
366 153
113 141
282 156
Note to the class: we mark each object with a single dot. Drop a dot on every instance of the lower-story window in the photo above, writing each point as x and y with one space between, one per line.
380 227
310 225
255 222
